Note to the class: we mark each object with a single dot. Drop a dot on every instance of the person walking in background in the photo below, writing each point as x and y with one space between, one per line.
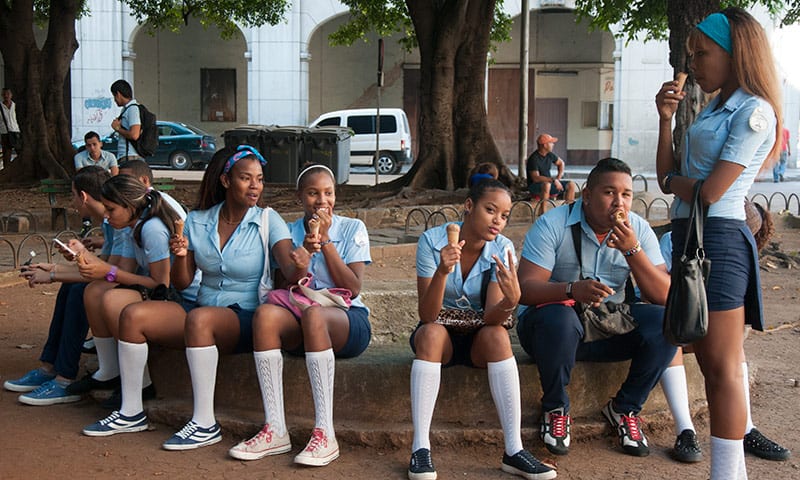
9 128
786 151
129 123
725 147
473 273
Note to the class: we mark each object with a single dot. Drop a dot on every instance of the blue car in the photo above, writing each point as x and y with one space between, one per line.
180 146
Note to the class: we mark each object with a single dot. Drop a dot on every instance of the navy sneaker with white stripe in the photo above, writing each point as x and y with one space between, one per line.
117 423
193 436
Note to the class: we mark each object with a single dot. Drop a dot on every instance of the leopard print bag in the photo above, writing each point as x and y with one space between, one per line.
462 322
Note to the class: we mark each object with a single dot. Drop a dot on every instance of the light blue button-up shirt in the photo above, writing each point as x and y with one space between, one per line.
231 275
549 245
349 236
741 131
458 293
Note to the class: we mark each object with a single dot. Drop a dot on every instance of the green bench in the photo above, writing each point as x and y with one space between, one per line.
59 186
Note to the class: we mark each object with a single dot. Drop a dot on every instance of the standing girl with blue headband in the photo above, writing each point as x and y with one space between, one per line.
726 147
336 254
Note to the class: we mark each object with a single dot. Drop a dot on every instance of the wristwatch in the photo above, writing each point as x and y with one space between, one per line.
111 276
569 290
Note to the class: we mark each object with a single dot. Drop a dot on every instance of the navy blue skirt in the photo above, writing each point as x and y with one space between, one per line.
734 280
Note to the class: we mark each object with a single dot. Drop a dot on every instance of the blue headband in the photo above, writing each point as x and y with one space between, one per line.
241 152
717 27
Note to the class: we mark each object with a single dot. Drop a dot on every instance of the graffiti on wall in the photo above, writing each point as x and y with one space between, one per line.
97 110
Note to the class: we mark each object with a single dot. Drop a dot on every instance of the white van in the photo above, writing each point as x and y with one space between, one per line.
395 141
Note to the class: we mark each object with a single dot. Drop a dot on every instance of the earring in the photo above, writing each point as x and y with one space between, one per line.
466 212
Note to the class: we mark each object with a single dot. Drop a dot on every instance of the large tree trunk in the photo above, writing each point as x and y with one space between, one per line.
682 16
453 38
36 77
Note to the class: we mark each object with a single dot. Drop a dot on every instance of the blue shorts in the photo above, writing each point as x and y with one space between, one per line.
358 337
734 280
245 343
462 348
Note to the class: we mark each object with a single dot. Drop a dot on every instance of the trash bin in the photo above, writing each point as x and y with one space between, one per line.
329 146
284 148
253 135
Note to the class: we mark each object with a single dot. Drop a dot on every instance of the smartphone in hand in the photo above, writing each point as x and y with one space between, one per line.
64 247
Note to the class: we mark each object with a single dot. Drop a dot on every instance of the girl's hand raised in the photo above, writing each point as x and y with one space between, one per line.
507 278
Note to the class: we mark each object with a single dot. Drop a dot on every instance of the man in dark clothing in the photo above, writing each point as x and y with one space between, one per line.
540 181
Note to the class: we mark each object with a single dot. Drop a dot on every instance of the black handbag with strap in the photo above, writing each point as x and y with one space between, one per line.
608 319
686 310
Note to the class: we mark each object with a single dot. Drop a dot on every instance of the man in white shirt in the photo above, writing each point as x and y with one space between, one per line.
8 124
95 155
129 124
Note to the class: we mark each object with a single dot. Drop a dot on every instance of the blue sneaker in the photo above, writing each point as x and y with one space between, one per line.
193 436
49 393
29 382
117 423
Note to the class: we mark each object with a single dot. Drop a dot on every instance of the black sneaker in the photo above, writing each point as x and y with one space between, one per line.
554 431
421 466
88 347
86 227
114 402
524 464
756 443
88 383
629 429
686 448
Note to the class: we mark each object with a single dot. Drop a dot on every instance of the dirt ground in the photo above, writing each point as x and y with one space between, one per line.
45 442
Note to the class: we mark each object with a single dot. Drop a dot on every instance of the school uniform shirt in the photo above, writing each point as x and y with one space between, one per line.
173 203
106 161
349 236
116 241
231 275
154 244
458 293
549 245
741 131
129 118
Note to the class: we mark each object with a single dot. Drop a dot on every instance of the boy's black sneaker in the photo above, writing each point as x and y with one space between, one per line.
88 383
114 402
421 466
524 464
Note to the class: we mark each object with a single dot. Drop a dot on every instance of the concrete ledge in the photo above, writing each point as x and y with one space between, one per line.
372 402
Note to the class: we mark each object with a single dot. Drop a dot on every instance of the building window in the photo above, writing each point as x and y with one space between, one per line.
589 114
218 94
606 121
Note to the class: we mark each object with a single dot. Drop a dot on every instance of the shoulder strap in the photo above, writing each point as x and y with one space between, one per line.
696 219
487 277
576 239
264 231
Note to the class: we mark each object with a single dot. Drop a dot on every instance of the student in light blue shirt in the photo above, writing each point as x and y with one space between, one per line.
614 243
335 250
725 147
451 274
222 240
129 124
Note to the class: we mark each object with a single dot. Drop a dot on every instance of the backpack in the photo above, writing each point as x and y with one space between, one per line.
147 143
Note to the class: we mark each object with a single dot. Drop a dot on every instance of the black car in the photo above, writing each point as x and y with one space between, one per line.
180 146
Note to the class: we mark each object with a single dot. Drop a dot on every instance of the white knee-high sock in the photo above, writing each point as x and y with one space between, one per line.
269 367
106 358
726 456
425 379
504 385
742 468
321 369
746 384
132 360
203 368
673 383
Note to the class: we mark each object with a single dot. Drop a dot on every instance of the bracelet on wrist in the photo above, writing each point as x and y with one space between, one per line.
326 242
568 291
666 182
52 276
633 251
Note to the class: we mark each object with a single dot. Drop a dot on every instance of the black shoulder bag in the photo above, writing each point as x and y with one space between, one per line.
609 318
686 310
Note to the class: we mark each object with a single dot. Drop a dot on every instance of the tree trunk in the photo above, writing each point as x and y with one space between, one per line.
36 78
682 16
454 135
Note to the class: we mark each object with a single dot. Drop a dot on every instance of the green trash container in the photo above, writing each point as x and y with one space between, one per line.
253 135
284 147
329 146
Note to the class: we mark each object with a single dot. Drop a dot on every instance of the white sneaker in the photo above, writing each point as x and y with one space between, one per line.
264 443
320 450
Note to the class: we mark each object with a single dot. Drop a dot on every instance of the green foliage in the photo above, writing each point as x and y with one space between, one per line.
385 18
227 15
649 17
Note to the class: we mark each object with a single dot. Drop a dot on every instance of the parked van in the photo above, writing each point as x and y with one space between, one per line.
395 141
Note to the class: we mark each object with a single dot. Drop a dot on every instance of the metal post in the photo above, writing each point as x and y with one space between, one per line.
378 110
523 88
